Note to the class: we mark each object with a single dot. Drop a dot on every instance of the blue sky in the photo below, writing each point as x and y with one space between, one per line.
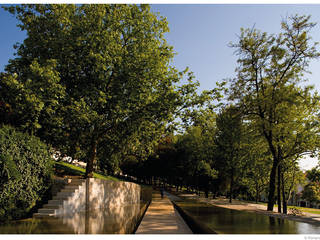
200 35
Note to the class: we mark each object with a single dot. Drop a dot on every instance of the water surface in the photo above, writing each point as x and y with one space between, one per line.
121 220
228 221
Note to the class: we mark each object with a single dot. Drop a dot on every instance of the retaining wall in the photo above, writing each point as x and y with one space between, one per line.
96 194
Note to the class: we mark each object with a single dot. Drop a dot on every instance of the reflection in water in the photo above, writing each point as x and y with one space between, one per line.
100 221
112 216
228 221
103 221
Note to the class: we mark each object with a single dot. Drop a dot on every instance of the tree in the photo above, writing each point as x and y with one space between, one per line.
109 66
194 161
267 90
290 177
311 192
314 174
258 163
228 142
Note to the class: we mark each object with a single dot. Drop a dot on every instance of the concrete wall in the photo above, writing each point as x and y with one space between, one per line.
111 194
101 194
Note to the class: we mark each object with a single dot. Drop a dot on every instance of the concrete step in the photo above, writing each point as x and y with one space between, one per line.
61 198
42 215
65 194
71 187
69 190
47 211
77 181
55 202
52 206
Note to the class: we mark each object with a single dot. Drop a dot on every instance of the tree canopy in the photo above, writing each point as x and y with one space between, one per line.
89 77
269 91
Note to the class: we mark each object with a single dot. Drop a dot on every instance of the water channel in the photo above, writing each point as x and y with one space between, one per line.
122 220
227 221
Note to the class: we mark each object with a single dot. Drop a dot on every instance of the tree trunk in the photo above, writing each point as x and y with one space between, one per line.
272 184
257 192
92 159
231 186
285 211
206 191
279 189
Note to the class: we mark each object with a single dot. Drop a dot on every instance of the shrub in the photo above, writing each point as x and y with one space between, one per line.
25 172
296 212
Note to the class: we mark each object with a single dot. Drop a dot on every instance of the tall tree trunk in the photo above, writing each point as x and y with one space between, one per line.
284 200
92 159
279 189
257 192
231 186
206 192
272 184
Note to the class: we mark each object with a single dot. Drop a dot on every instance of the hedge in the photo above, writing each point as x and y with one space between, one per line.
25 173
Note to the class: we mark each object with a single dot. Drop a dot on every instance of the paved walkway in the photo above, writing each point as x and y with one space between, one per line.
162 218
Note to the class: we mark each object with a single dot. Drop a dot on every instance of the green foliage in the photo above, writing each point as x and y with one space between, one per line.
195 148
256 168
229 151
267 90
311 192
25 169
314 174
96 80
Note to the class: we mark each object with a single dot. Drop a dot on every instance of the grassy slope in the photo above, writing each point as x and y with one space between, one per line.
70 169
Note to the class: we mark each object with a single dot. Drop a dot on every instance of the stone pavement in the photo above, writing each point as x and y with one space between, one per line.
162 218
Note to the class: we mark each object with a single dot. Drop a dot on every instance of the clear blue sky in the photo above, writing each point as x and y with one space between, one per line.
200 35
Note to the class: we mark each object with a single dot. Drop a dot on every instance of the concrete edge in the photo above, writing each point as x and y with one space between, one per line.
195 226
143 210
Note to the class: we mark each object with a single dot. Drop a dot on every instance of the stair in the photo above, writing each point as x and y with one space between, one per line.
51 208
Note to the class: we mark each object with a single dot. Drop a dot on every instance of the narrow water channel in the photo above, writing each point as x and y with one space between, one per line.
228 221
120 220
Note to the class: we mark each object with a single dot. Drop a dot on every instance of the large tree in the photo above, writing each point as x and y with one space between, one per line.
268 89
93 76
229 144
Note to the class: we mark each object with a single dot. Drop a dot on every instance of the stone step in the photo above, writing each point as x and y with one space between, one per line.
71 187
65 194
76 180
52 206
47 211
42 215
69 190
55 202
61 198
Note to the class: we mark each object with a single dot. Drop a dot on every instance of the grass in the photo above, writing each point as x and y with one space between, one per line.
63 168
303 209
308 210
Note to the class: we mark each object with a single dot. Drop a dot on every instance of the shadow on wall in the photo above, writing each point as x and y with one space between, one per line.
103 206
105 219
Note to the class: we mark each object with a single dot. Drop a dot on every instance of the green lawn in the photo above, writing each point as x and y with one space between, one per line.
69 169
303 209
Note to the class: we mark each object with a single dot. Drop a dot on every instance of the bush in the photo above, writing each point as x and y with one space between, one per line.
25 173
